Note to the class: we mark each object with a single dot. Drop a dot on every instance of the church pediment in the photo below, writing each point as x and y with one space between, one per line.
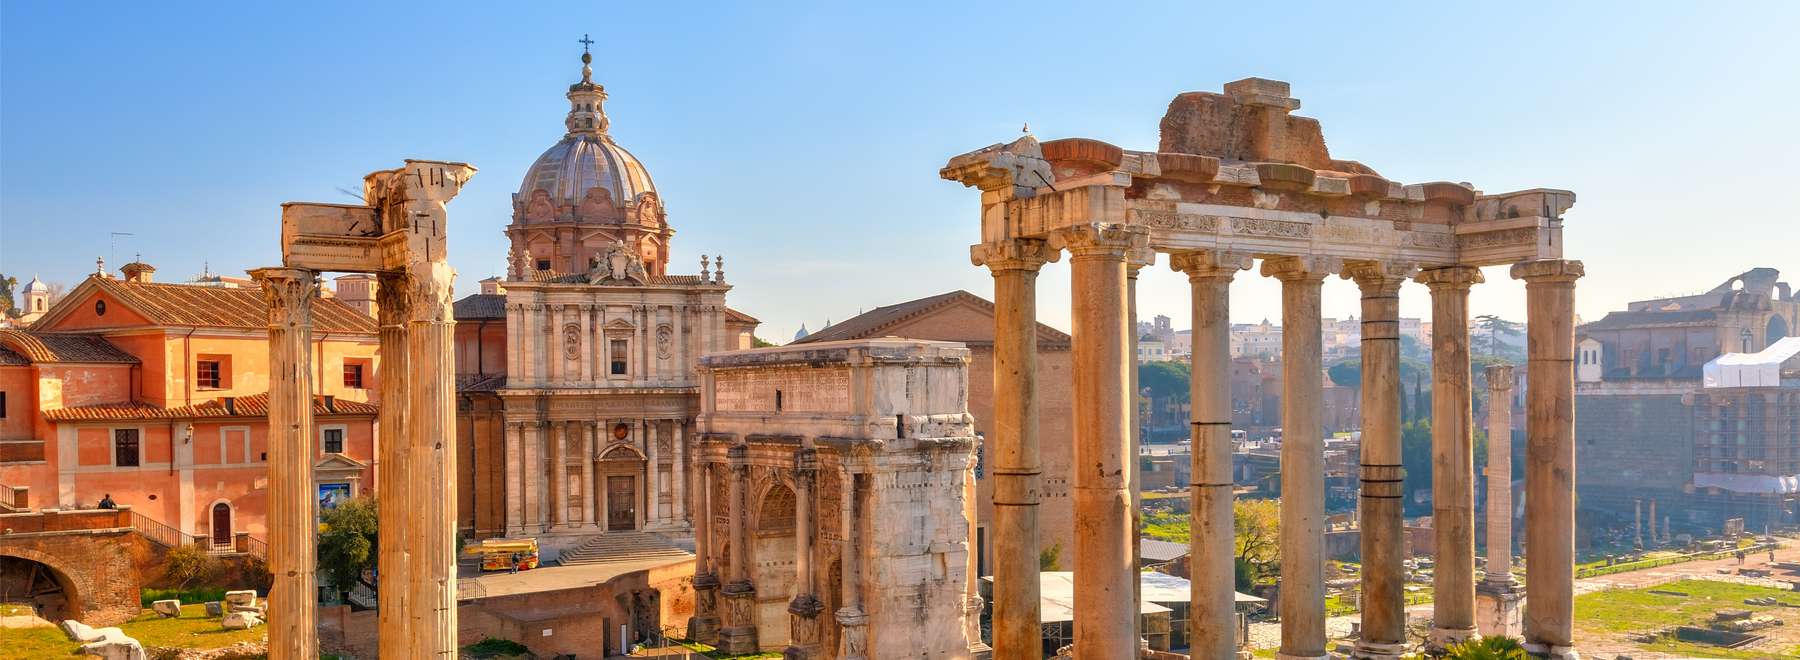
339 462
619 324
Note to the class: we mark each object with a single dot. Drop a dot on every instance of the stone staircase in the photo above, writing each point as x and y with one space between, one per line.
622 547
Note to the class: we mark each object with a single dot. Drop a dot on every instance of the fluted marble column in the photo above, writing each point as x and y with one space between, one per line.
393 299
293 533
1497 597
430 419
1105 579
1302 596
1550 454
804 609
739 633
1212 612
1013 449
704 626
1383 480
1452 455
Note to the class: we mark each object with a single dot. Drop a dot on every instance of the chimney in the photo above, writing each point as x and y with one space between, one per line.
138 271
330 403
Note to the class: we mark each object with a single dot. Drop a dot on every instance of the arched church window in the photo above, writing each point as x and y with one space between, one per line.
777 511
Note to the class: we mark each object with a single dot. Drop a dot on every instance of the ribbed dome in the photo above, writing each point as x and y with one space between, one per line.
582 161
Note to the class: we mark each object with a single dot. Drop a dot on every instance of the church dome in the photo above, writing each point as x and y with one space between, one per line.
37 286
580 162
586 157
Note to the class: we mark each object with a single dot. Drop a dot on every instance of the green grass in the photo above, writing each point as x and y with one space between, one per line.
714 653
1638 610
1167 527
192 630
194 595
14 609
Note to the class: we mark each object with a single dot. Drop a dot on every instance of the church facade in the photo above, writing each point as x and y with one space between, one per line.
576 372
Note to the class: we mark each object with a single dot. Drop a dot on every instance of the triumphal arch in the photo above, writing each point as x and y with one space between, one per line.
1238 178
399 235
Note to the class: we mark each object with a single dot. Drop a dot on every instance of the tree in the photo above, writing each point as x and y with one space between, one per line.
1495 328
8 306
1256 532
1050 558
1346 372
1165 380
347 543
1415 459
759 342
188 563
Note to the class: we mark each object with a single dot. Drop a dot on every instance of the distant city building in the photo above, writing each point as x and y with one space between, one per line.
1651 427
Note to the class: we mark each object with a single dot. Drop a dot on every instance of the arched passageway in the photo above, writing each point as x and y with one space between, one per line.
43 589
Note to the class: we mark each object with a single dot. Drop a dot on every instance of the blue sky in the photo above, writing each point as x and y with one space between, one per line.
803 141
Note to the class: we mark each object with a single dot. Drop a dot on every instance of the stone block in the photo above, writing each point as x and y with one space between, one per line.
215 608
167 608
81 632
243 597
116 647
241 621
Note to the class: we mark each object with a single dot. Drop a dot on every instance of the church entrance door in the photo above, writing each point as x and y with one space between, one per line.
621 504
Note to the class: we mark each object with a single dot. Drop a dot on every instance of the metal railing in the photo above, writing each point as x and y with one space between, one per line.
158 532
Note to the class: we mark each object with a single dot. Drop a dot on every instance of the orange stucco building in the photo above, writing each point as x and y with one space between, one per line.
157 395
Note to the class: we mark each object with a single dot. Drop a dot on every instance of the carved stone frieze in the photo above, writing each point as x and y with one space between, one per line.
1508 237
1266 227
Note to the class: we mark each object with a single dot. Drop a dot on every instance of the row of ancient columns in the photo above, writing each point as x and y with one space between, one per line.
416 468
1104 571
531 446
732 625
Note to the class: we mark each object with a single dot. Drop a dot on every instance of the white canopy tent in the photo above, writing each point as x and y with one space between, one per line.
1759 369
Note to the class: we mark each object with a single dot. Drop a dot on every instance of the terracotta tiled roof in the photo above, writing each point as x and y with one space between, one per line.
224 307
480 306
740 317
873 322
255 405
63 347
11 359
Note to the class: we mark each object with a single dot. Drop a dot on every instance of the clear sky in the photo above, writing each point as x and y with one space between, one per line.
803 141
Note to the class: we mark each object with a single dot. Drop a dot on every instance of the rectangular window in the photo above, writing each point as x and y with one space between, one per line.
353 375
618 357
125 447
207 376
333 439
543 264
2 405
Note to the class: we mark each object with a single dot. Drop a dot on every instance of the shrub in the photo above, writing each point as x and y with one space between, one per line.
491 647
1488 648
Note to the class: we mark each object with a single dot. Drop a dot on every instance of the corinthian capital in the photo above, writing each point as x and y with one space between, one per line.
1201 264
1013 254
1450 277
432 285
1301 268
290 292
1104 240
1377 278
1547 271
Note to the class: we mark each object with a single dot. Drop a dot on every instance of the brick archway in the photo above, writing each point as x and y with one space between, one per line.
98 577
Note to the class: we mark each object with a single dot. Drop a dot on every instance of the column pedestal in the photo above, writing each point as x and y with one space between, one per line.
853 634
739 634
803 628
703 627
1498 609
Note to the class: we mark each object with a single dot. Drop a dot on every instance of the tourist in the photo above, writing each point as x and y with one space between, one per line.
106 502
